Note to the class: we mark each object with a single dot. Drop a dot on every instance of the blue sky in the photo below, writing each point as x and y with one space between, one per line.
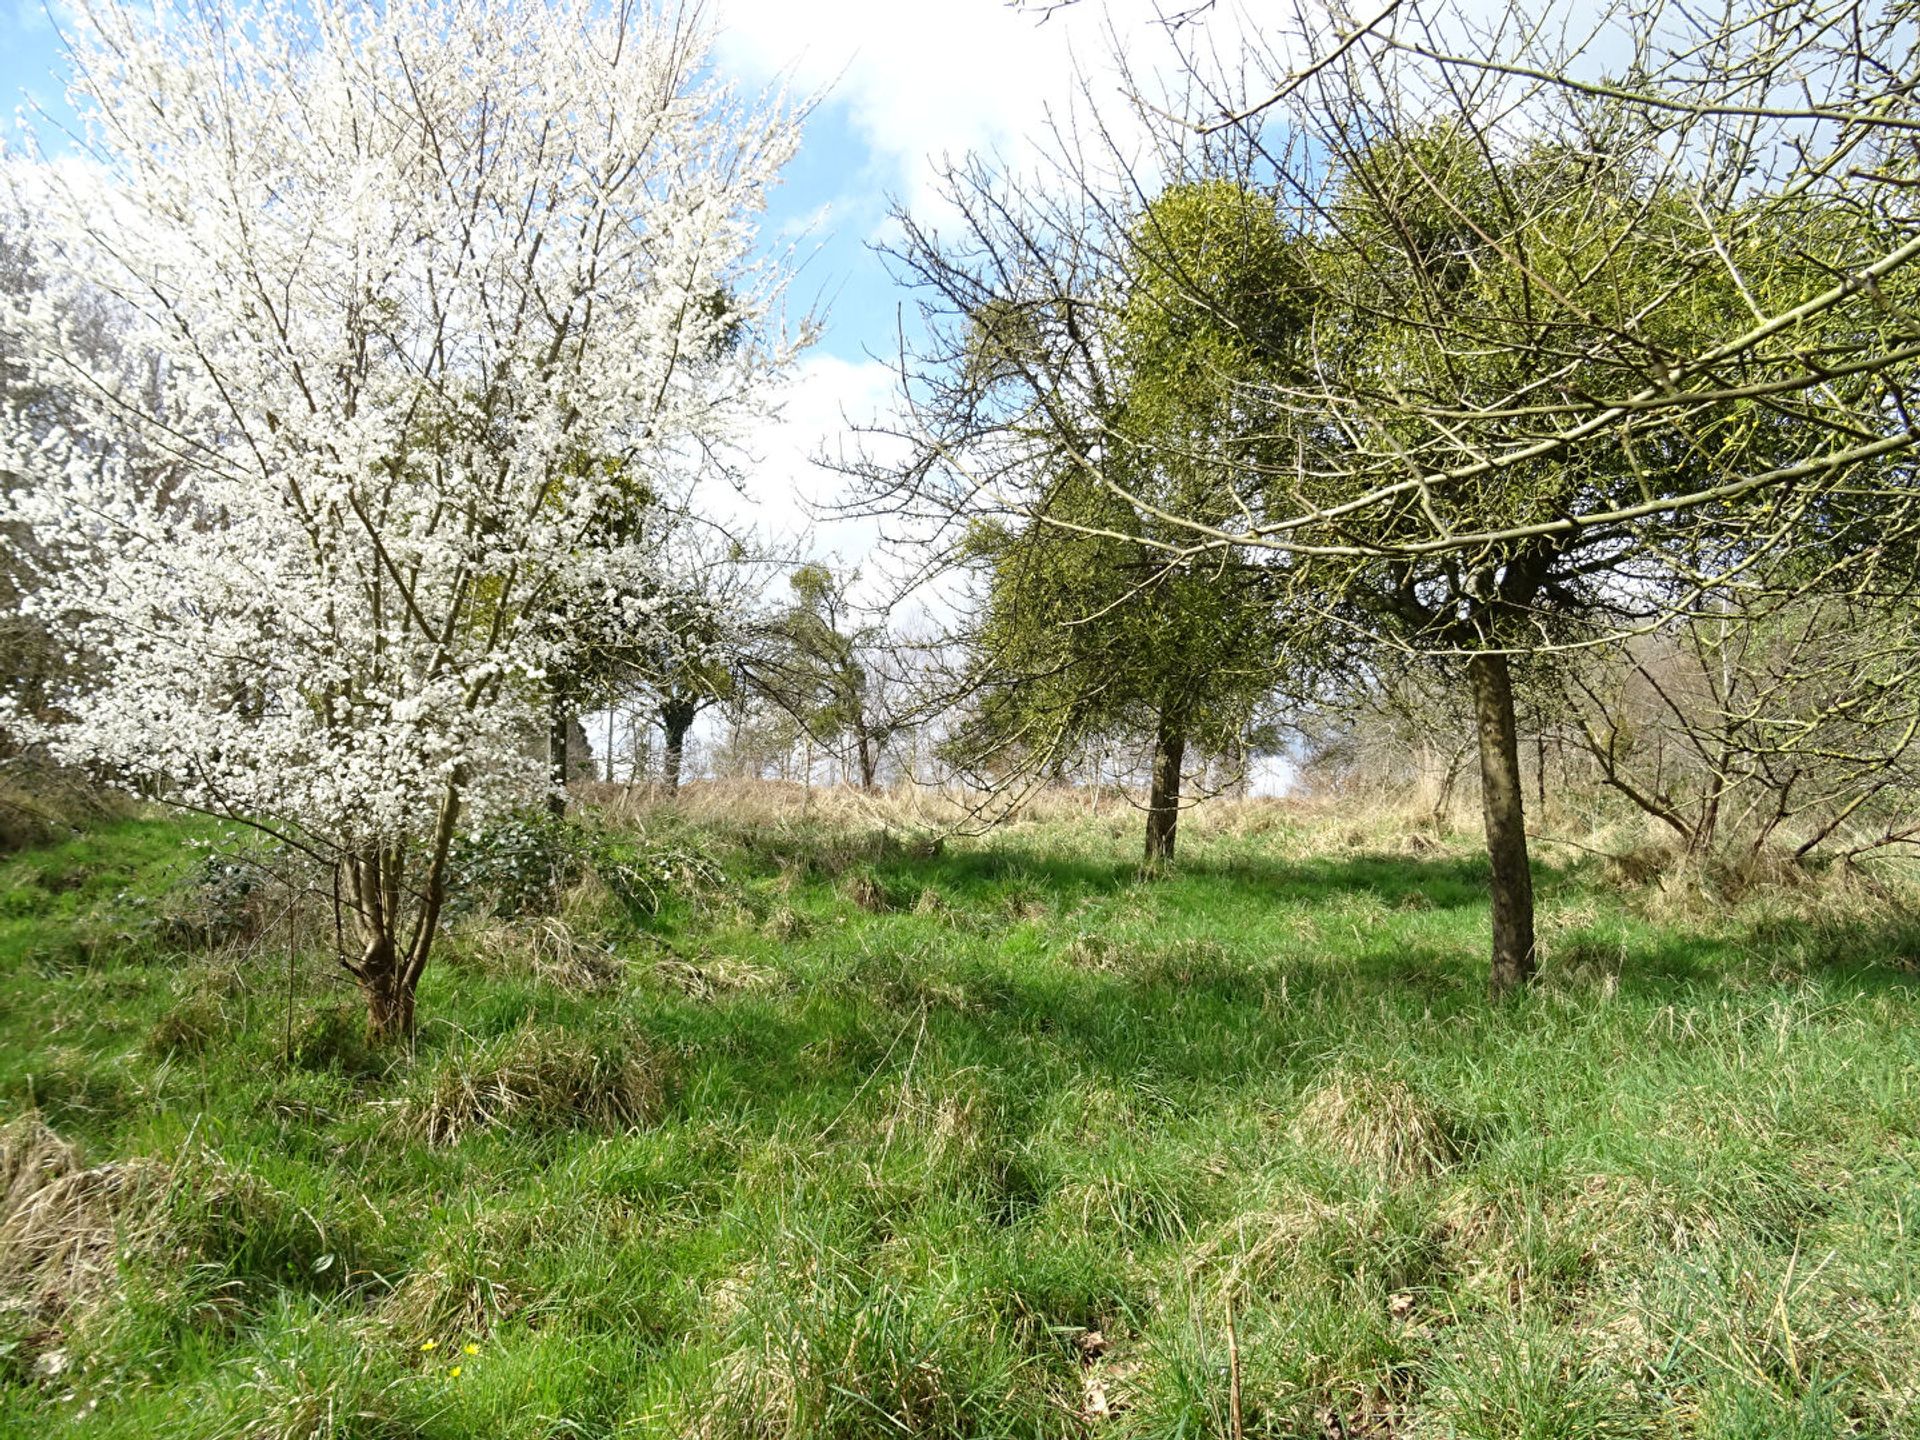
899 84
28 51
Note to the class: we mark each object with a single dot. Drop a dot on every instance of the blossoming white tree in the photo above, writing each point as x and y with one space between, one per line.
439 291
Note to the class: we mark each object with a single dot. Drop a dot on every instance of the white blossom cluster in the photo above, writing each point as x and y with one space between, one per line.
440 297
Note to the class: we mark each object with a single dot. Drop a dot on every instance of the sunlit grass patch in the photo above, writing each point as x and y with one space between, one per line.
1038 1156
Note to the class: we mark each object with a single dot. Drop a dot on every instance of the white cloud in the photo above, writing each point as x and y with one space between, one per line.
788 493
809 226
918 82
922 81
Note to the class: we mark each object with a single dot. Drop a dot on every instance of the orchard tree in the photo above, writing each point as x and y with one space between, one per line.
1581 349
1607 326
687 671
1086 628
1416 300
837 673
708 626
1461 302
404 266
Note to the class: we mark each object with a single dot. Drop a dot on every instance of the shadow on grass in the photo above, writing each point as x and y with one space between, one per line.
1443 882
972 874
1218 1003
1230 992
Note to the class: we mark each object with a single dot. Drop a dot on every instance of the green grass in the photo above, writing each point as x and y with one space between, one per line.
854 1139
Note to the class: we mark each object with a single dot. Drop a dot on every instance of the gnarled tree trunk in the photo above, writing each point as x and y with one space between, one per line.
389 999
1163 800
385 972
676 719
1503 807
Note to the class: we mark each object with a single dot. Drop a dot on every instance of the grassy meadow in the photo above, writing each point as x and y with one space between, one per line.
769 1119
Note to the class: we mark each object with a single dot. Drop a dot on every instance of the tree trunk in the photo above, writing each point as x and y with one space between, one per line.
1503 807
389 996
869 761
389 970
1163 801
376 890
558 723
675 722
1443 802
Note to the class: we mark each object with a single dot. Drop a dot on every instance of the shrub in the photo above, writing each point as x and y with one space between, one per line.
218 903
520 866
528 864
645 874
40 801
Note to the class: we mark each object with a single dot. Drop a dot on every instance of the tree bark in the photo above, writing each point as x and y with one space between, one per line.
675 722
869 760
389 997
558 723
1504 810
390 965
1163 800
374 886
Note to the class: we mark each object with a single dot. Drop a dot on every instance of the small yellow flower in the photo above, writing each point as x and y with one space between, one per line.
454 1373
470 1349
431 1345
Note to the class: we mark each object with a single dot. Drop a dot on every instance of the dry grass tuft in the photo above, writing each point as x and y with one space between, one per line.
468 1283
761 804
753 1390
1023 900
1089 950
709 975
1378 1123
1585 960
551 950
1638 865
191 1027
536 1079
953 1116
868 893
786 925
62 1225
1251 1249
